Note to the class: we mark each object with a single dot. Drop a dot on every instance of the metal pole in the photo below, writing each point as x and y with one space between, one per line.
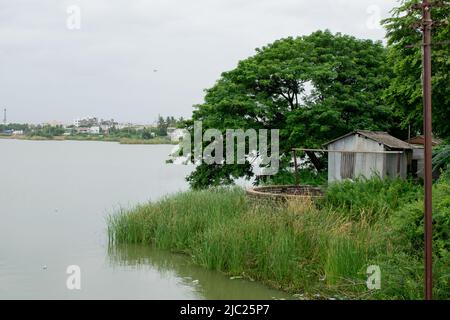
427 23
296 168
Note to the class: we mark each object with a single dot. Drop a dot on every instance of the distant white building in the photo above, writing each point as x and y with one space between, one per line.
53 123
86 122
17 133
81 130
94 130
107 125
105 128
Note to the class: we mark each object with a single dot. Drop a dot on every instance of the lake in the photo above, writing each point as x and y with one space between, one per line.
55 197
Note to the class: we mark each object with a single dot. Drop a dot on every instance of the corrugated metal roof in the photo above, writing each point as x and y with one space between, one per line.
378 136
386 139
420 140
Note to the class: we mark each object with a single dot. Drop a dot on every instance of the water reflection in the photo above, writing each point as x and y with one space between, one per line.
205 283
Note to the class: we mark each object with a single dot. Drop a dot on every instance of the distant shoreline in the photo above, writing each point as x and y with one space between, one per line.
154 141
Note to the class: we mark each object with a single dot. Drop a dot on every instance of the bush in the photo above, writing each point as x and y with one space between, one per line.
441 158
373 198
409 220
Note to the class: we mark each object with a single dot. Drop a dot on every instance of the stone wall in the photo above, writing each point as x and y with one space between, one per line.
281 194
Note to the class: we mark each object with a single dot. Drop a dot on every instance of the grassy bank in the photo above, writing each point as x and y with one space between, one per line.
31 138
318 250
158 140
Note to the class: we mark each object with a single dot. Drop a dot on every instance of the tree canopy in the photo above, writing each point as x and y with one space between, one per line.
312 88
405 55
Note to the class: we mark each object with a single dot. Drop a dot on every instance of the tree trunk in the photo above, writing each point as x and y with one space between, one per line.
315 161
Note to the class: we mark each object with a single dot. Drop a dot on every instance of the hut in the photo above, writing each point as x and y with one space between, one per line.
366 153
418 156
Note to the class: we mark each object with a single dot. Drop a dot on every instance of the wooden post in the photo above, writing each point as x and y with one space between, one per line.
427 24
297 182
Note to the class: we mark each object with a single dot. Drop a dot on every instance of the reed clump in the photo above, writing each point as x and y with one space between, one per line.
316 249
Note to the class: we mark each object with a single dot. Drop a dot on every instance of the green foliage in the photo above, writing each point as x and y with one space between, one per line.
47 131
131 134
304 176
163 124
217 175
125 133
221 231
157 140
302 247
409 220
441 157
374 198
405 89
175 222
313 88
14 126
146 134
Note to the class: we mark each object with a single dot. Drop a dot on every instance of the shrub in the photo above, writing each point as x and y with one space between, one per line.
373 198
409 220
441 157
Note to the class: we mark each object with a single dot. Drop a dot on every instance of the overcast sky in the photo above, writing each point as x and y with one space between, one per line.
51 68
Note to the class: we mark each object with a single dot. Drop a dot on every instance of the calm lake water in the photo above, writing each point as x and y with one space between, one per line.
54 200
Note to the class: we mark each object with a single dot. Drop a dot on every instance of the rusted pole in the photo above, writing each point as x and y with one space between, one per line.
295 167
427 24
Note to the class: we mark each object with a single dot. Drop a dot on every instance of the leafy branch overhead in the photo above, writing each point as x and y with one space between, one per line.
404 93
313 88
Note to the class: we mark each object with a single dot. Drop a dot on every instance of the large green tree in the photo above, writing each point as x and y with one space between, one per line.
405 55
312 88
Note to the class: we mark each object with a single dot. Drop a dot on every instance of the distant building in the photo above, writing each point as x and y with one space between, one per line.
94 130
86 122
82 130
106 125
8 132
366 153
17 133
53 123
418 157
139 127
175 134
105 129
420 141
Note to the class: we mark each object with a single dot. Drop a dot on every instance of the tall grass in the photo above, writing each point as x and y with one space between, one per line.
373 198
176 222
302 247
